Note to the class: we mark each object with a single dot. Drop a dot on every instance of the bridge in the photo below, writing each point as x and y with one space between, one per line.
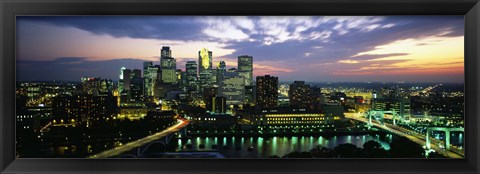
447 135
139 146
411 135
381 114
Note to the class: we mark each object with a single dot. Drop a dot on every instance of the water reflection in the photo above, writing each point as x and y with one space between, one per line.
258 147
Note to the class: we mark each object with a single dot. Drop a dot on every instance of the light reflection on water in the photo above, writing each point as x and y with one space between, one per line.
258 147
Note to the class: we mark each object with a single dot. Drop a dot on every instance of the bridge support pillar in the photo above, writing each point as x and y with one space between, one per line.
427 139
447 139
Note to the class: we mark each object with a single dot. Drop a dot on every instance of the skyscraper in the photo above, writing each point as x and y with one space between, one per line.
204 61
245 68
145 66
168 66
267 91
222 66
232 87
150 75
191 69
165 52
136 87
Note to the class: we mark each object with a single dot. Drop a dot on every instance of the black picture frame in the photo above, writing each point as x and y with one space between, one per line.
11 8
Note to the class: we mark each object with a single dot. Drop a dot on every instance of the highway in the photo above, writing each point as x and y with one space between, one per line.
411 135
141 142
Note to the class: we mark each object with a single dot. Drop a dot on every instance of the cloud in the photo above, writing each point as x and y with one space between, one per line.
348 61
299 43
227 29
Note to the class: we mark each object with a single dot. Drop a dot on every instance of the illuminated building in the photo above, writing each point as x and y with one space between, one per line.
120 85
169 68
286 118
85 108
299 95
232 87
245 68
250 95
204 60
150 76
191 70
222 66
145 66
217 104
136 90
214 121
125 79
205 72
267 91
400 106
165 52
132 112
95 86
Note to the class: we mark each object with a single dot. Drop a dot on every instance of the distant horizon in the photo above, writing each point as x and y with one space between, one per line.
300 48
386 82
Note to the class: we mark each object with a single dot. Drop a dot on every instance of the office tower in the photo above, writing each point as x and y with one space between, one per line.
205 69
204 61
120 80
145 66
136 89
126 79
191 70
299 94
232 87
165 52
245 68
136 73
267 91
222 66
181 81
150 76
168 66
250 95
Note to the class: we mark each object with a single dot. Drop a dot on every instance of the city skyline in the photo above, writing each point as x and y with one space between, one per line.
394 48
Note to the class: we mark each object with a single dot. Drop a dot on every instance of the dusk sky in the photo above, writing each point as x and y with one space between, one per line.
328 48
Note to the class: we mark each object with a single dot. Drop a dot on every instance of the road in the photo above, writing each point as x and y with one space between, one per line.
140 142
411 135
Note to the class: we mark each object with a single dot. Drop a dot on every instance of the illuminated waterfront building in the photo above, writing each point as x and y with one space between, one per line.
267 91
287 118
